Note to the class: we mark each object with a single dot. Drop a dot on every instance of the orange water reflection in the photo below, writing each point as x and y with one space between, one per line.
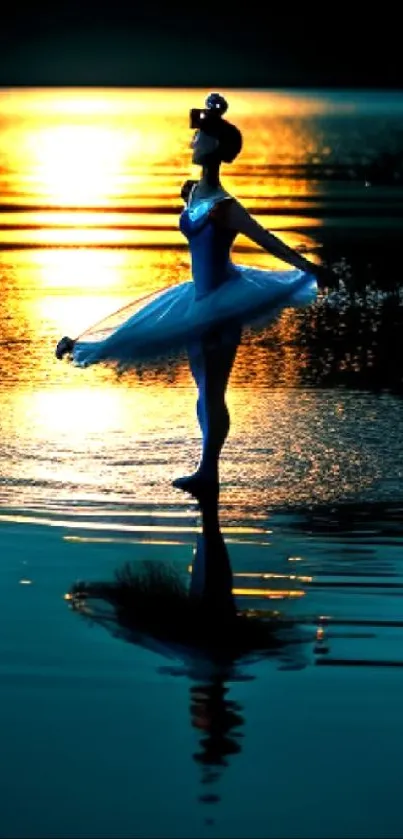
90 183
91 147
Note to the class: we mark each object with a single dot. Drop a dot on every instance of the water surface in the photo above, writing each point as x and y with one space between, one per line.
106 738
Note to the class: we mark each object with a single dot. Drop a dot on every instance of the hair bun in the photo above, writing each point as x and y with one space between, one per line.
216 102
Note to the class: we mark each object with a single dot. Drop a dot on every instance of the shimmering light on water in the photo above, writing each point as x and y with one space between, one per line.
310 505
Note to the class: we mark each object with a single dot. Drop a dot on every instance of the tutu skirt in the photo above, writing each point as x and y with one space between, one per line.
170 319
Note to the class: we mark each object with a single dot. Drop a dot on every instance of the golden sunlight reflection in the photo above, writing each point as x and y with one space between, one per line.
81 147
271 594
272 576
77 164
76 411
267 594
129 150
84 218
119 541
79 268
61 292
90 525
90 185
101 103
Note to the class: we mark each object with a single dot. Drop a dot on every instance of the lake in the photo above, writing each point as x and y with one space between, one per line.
107 738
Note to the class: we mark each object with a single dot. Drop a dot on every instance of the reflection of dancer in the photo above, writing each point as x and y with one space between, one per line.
211 581
200 627
219 721
150 604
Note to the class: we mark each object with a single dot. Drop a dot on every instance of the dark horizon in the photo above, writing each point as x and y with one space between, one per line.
120 46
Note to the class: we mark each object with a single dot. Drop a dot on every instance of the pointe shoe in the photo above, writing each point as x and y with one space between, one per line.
64 346
197 484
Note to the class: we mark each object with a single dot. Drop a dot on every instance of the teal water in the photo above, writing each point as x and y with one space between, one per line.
105 737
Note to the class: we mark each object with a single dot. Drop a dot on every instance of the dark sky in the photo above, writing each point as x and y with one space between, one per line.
201 44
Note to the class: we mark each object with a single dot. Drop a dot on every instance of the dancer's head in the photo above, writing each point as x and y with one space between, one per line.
215 140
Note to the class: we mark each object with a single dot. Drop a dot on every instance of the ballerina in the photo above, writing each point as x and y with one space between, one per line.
206 314
211 222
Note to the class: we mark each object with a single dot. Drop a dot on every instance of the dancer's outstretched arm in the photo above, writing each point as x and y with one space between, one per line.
234 216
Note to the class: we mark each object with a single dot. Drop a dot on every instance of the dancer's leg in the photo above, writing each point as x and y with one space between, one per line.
211 364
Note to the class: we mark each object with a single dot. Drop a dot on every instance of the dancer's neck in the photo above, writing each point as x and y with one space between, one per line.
209 181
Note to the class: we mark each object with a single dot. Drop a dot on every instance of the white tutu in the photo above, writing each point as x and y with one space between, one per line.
172 318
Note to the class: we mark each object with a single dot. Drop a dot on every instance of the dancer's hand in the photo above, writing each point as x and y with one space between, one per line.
64 347
326 279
